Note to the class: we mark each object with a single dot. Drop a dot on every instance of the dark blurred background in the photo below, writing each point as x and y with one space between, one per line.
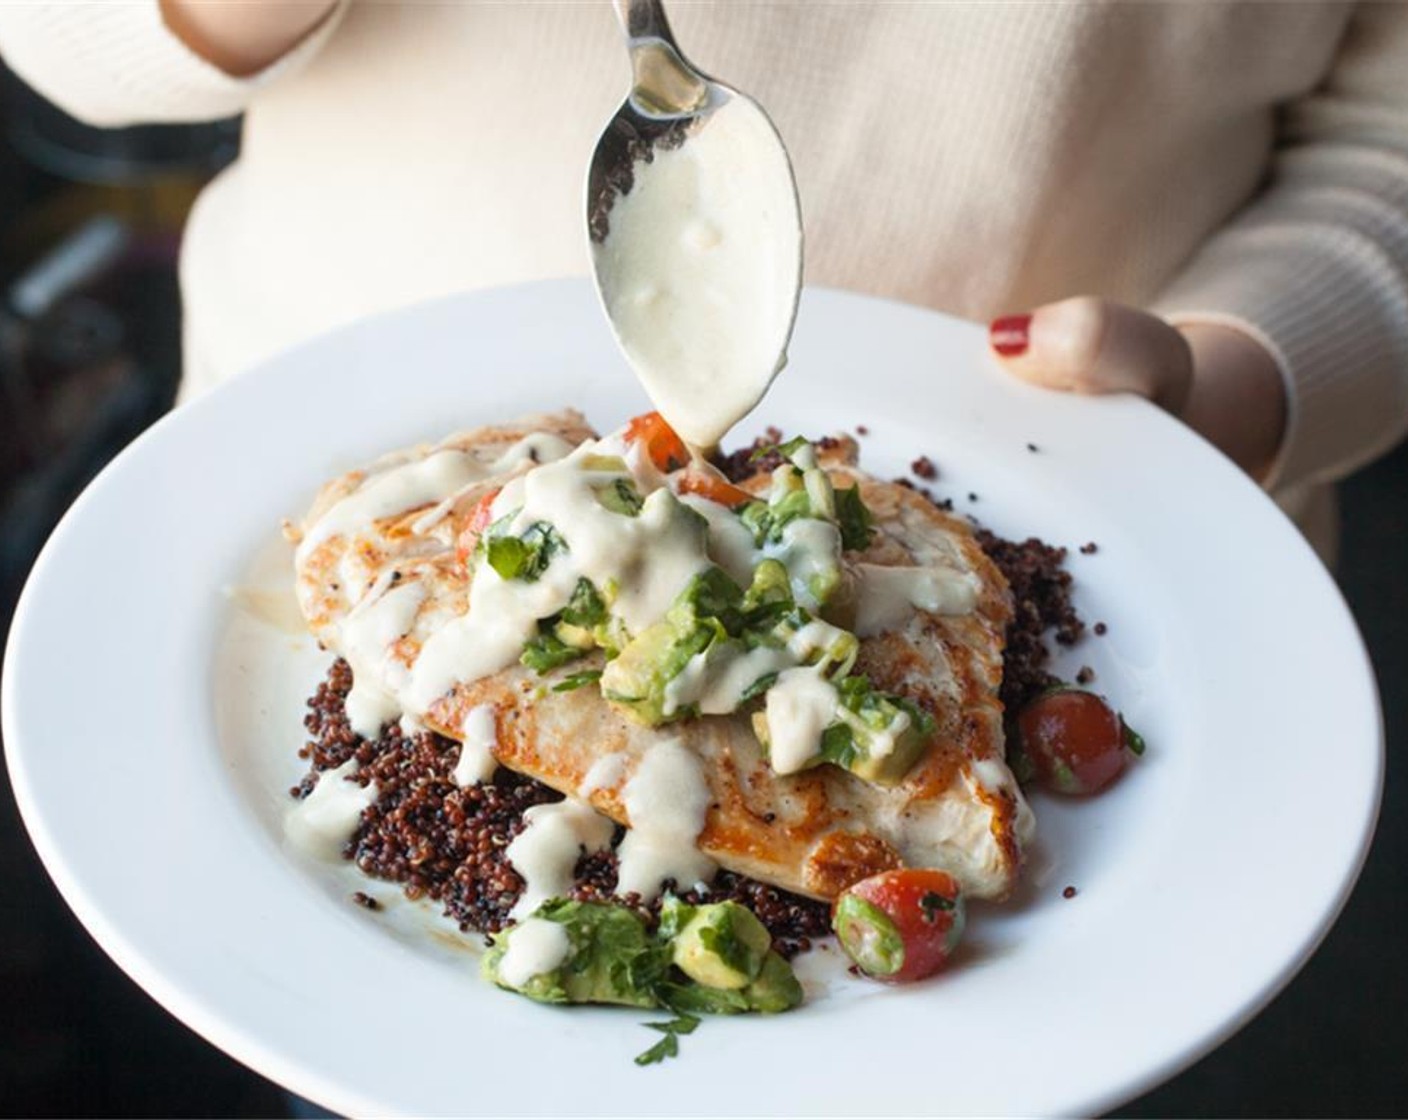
90 224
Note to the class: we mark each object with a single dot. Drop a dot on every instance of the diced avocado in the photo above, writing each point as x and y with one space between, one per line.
775 989
768 599
714 615
890 769
581 624
619 496
700 615
605 463
578 637
635 681
722 945
876 736
888 733
612 957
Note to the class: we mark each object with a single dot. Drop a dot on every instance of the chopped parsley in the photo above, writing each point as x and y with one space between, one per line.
933 904
526 557
853 519
577 680
669 1046
547 652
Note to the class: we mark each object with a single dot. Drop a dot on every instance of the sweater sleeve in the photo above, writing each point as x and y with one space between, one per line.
114 62
1316 267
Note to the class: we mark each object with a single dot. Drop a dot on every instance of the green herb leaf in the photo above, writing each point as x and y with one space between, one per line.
577 680
526 557
669 1046
759 686
586 608
838 745
620 496
507 555
853 519
1132 739
933 904
683 1023
547 652
792 446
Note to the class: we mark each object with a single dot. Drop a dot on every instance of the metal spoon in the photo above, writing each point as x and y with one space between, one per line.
670 103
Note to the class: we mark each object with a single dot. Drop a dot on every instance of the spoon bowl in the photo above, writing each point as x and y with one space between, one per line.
695 233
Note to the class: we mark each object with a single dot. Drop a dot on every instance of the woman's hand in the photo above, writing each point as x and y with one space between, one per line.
1220 381
242 37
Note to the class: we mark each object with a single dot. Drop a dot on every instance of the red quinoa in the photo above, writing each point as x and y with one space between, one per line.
1041 594
447 844
758 456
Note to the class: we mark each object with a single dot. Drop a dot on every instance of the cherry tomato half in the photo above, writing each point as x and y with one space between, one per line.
713 486
1075 742
900 925
665 449
475 524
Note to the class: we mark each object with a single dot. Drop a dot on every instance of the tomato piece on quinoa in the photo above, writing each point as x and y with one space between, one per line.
900 925
1074 742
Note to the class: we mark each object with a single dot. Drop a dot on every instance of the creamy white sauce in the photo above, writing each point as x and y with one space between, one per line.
731 544
325 820
547 849
395 490
700 270
799 707
716 679
648 559
888 596
814 638
480 736
536 946
383 617
651 556
535 447
808 547
604 773
667 800
880 744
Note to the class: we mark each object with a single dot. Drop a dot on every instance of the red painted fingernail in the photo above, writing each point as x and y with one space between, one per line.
1010 334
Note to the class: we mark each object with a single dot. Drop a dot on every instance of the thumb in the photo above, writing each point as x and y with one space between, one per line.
1089 345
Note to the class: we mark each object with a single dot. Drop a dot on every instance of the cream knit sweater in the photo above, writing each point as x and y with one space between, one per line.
1245 162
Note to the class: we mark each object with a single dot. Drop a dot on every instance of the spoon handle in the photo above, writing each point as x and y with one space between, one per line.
664 83
644 19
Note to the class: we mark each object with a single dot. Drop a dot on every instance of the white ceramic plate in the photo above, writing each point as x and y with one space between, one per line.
151 722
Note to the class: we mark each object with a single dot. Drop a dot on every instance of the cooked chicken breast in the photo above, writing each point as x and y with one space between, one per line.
378 581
